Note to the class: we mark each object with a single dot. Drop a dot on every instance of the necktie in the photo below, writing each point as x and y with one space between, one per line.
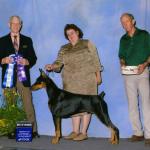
15 44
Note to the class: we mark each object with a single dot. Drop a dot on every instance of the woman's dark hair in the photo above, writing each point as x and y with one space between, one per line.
74 27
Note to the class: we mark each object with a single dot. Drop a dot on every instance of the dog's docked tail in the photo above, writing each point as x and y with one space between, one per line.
102 94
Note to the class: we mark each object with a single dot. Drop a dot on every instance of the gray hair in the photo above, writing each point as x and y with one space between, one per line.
11 18
129 15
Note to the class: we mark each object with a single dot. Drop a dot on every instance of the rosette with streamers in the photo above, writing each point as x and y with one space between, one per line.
9 74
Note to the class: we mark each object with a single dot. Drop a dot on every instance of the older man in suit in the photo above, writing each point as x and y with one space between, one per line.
16 44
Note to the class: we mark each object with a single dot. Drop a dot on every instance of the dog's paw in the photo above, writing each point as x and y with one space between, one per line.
114 140
114 136
55 140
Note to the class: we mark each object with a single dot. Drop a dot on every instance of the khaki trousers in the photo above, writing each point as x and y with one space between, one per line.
26 96
139 86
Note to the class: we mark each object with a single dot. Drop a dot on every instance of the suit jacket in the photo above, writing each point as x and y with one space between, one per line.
26 50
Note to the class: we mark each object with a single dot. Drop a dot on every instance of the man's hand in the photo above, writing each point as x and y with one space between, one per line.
23 61
142 67
122 63
7 60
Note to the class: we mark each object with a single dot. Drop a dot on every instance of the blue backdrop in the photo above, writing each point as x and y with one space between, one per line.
44 21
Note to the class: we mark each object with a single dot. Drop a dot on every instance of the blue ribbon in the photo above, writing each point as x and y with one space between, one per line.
8 77
9 74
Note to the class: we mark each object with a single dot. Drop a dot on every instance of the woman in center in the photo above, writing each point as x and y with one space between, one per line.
81 73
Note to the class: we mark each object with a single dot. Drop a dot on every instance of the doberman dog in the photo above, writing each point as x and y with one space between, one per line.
64 104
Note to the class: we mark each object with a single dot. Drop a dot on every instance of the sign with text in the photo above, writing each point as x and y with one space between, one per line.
24 132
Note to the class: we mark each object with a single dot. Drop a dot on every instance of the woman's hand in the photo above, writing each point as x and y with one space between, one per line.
49 67
98 77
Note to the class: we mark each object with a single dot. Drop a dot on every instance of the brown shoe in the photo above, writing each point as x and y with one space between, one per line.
147 142
80 137
136 138
71 136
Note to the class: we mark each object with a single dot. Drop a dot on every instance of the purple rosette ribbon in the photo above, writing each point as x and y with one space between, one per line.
20 70
21 73
9 74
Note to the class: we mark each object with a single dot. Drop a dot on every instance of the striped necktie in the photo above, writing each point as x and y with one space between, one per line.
16 44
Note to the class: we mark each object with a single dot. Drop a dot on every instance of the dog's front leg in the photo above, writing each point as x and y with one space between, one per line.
57 123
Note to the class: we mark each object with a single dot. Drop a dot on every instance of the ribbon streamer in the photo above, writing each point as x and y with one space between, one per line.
21 71
9 74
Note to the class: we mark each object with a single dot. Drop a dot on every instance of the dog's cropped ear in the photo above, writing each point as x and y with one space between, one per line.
42 72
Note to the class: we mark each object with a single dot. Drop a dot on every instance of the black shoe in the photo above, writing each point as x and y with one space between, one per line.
35 134
147 142
11 135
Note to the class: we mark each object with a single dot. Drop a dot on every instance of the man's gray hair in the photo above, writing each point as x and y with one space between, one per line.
129 15
15 16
